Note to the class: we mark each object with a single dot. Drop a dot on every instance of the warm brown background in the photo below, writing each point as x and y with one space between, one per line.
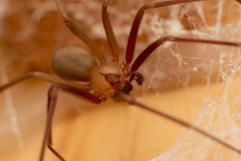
30 33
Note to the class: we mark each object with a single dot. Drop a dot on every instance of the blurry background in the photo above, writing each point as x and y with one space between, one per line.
198 83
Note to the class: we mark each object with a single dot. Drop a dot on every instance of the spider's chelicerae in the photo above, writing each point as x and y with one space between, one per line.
92 77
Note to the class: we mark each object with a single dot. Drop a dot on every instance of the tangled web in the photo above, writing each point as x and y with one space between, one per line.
219 116
175 65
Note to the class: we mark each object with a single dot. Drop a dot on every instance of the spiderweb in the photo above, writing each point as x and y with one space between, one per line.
216 116
178 65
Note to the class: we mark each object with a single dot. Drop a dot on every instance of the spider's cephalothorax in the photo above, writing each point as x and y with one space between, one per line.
106 79
109 78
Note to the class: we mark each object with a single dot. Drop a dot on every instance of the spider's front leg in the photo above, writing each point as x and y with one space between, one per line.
137 22
149 50
51 106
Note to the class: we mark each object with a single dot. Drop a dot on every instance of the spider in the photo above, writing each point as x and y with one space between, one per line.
91 76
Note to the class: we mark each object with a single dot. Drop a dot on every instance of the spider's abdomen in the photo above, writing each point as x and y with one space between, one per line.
73 63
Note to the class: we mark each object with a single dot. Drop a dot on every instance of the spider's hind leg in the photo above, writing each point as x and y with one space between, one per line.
52 100
51 105
41 76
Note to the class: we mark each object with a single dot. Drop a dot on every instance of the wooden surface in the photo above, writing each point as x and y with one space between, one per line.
109 132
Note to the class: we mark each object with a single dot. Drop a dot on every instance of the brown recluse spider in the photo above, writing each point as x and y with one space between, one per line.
92 77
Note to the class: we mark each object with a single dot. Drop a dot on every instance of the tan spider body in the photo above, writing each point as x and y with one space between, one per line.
75 64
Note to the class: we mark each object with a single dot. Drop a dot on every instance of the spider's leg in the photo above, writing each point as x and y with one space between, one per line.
74 28
109 31
51 105
42 76
131 100
147 52
52 96
137 21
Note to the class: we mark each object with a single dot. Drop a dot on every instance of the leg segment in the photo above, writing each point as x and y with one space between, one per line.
137 21
74 28
52 99
16 81
147 52
45 77
51 105
131 100
52 95
83 93
109 31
